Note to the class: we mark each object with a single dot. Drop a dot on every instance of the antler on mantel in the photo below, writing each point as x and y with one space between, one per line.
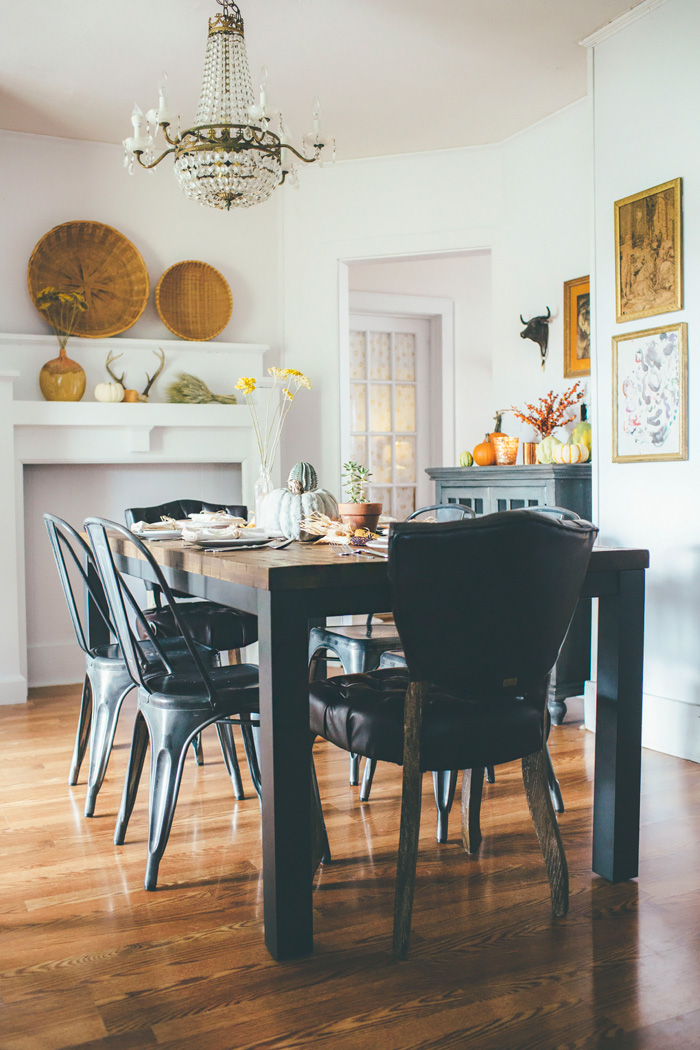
112 357
152 379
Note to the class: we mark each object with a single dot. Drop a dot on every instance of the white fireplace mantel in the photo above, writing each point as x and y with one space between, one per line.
40 432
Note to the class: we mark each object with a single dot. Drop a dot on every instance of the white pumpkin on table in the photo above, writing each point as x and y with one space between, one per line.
282 510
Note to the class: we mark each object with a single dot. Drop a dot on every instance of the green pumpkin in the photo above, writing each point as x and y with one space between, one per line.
545 449
581 434
283 509
305 474
466 459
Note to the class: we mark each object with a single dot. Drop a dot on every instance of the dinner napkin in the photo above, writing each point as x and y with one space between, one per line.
154 526
215 517
193 533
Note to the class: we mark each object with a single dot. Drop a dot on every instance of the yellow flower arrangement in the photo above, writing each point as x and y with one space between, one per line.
61 310
268 435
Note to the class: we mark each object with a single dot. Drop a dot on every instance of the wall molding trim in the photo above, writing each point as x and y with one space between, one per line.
618 24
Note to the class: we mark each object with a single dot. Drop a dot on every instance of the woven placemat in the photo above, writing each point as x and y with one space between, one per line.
102 263
194 300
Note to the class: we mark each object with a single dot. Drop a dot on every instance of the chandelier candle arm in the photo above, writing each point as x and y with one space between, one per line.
230 157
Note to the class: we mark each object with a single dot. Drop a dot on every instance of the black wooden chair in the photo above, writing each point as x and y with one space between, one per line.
359 648
107 680
216 626
475 688
175 703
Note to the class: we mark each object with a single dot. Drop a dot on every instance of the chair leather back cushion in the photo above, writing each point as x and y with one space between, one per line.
508 588
179 509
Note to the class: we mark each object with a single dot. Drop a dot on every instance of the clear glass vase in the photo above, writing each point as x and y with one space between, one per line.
263 487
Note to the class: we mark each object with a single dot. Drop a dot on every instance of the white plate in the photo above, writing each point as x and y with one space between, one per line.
380 544
213 520
159 534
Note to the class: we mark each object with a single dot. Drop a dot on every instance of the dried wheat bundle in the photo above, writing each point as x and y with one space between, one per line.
190 390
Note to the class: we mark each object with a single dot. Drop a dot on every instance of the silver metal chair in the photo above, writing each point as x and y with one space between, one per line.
107 681
175 703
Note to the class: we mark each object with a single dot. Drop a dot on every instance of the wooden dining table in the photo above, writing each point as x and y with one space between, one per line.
292 589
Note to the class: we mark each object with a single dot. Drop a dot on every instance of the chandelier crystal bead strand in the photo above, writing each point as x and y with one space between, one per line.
230 157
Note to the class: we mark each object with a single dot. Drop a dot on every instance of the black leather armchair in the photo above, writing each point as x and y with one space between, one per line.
474 691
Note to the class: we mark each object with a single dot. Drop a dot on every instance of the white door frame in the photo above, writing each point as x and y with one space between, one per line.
439 313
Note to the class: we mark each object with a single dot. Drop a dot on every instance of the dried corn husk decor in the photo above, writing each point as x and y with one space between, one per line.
332 531
187 389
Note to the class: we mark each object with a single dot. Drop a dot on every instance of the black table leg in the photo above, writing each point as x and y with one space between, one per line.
286 774
619 729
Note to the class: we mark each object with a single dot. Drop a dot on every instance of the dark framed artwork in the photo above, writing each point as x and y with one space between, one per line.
648 252
577 327
650 394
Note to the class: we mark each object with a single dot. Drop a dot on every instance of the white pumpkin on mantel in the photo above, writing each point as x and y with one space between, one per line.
283 509
109 392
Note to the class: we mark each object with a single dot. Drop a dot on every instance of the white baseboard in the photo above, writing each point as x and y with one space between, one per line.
668 725
55 663
13 689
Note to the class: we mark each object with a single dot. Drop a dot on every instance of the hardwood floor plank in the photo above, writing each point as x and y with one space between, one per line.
89 961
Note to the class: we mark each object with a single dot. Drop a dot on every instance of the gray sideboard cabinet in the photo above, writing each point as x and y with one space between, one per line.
490 489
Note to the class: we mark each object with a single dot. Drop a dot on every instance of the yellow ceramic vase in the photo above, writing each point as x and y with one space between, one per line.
62 379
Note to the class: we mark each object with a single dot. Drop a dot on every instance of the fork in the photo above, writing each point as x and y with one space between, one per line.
346 551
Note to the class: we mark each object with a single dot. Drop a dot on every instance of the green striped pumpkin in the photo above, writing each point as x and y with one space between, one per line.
283 509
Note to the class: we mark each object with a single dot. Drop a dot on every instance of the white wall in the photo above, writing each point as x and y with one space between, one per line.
646 86
46 181
544 240
466 280
527 201
74 492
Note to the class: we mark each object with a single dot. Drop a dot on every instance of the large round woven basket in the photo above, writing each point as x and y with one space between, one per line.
194 300
99 261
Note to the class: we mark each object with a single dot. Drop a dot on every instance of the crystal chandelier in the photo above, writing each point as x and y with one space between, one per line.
230 157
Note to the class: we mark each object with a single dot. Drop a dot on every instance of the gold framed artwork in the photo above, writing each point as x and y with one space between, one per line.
650 395
648 252
577 327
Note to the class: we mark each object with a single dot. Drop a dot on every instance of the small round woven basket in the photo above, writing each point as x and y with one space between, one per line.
194 300
98 261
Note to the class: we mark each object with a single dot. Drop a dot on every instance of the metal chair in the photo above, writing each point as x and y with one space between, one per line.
216 626
107 680
174 704
359 648
471 695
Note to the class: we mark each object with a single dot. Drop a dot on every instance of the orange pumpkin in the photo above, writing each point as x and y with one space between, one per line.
132 395
484 454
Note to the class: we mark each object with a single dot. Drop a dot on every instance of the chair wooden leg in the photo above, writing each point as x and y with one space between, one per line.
410 819
320 847
444 785
542 813
472 787
82 735
137 755
367 777
228 750
554 789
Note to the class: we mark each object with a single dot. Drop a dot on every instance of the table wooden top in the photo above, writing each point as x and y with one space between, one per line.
313 565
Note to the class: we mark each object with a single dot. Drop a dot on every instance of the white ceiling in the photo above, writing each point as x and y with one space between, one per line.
393 76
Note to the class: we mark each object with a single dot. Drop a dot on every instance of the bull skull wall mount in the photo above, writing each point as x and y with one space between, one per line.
537 329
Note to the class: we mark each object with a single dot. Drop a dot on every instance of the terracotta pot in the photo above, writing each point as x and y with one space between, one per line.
62 379
360 515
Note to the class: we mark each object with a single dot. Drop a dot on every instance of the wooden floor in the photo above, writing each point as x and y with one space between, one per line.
88 959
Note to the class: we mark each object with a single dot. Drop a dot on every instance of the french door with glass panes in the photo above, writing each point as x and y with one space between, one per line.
389 380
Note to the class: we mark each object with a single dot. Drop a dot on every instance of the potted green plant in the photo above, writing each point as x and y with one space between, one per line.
358 511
